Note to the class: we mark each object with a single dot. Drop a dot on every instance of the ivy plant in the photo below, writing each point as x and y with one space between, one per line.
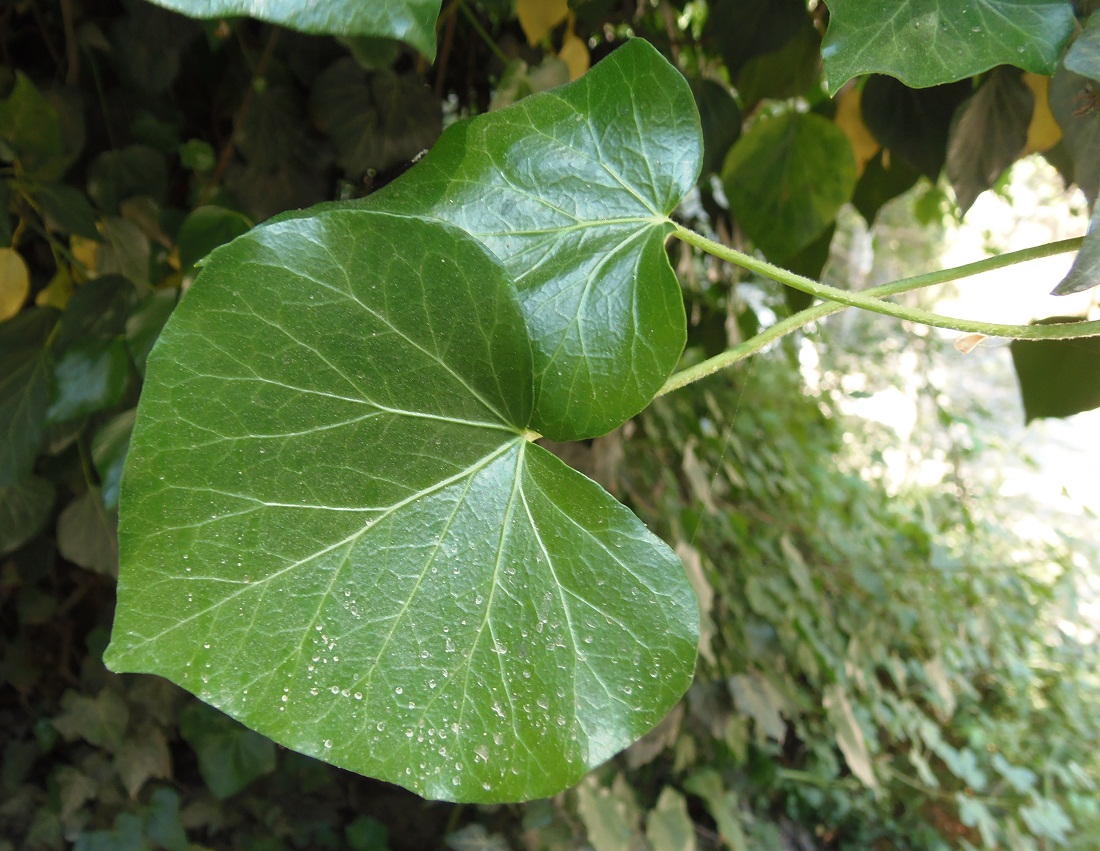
336 524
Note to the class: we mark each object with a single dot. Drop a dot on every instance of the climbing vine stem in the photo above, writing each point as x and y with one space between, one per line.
872 299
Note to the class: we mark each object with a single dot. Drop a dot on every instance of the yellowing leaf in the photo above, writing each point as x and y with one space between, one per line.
850 119
1043 133
15 283
538 17
86 251
57 291
574 53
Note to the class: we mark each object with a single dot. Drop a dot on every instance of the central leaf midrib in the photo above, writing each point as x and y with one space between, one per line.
384 320
585 224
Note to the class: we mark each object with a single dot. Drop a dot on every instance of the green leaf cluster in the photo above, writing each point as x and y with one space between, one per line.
344 521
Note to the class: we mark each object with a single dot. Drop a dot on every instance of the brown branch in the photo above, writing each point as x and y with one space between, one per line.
238 121
72 50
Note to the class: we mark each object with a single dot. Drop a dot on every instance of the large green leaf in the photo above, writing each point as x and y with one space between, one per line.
1071 103
25 507
571 190
988 134
410 21
928 42
335 529
1058 378
375 120
787 178
743 29
912 123
30 132
1084 56
24 390
1084 274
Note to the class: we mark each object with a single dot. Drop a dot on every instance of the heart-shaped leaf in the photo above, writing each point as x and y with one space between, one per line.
928 42
335 529
786 180
410 21
571 190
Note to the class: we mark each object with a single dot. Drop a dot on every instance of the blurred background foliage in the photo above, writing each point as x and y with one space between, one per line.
881 666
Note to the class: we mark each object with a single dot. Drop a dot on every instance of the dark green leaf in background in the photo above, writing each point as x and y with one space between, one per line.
988 134
274 130
87 534
410 21
1058 378
377 119
884 178
743 29
144 324
163 825
127 834
24 390
1072 102
67 210
134 170
230 756
571 189
126 251
88 378
109 454
1083 56
809 262
147 45
721 121
1085 272
788 72
97 312
100 720
912 123
25 506
786 180
30 132
204 229
5 214
929 42
335 529
669 826
367 834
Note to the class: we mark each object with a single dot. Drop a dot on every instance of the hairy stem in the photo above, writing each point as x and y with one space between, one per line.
875 304
870 299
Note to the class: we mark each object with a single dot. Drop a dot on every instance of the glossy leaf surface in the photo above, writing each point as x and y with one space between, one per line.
928 42
335 530
571 190
410 21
